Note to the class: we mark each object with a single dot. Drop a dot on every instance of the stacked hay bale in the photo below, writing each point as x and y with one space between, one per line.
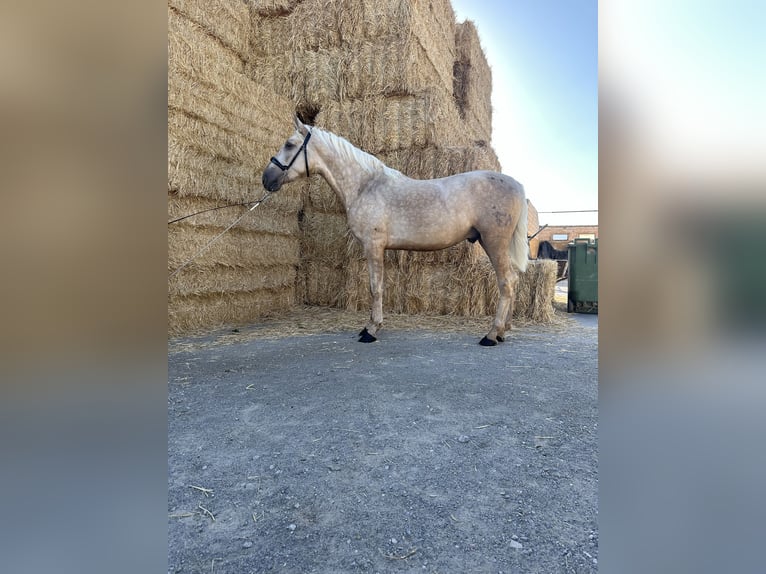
398 78
403 81
222 128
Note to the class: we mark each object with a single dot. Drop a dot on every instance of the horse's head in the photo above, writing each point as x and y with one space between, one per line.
287 165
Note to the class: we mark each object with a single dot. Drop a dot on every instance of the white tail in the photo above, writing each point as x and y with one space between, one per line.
519 243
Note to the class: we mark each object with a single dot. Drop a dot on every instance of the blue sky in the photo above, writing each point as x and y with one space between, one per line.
544 60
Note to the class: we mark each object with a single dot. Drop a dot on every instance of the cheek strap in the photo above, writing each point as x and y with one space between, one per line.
304 149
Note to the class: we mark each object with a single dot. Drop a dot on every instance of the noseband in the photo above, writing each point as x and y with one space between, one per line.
305 143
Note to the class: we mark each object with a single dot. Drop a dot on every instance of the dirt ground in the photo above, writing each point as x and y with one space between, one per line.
299 450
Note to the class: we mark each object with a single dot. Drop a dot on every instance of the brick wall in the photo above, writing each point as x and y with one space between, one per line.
572 232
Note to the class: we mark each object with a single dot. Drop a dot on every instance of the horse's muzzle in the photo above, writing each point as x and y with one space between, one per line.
272 179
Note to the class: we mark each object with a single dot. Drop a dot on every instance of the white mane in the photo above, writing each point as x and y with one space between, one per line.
348 151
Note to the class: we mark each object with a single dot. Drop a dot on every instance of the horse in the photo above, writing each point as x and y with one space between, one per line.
546 250
387 210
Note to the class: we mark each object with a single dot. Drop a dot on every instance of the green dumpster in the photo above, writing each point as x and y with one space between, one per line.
582 287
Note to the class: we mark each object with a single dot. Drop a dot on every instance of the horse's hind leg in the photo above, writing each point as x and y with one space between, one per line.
514 284
375 268
506 279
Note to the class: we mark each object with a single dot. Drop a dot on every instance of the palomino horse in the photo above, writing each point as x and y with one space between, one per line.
388 210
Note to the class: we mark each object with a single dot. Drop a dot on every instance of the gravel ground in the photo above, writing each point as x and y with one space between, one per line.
422 452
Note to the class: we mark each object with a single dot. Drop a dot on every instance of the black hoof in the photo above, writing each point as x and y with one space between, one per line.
487 342
500 339
365 337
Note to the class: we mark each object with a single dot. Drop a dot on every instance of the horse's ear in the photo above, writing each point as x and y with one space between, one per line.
299 125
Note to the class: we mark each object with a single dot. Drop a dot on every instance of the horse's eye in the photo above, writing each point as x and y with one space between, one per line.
289 145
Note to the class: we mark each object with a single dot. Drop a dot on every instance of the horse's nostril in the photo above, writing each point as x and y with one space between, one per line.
267 181
270 182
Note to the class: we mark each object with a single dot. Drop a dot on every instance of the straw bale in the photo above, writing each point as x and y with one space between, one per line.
266 218
232 90
389 69
321 197
236 248
197 312
222 279
200 102
325 284
235 102
456 255
357 289
193 172
205 78
427 27
227 20
306 78
534 291
413 286
434 162
238 147
379 124
465 290
325 236
272 8
472 81
317 77
192 47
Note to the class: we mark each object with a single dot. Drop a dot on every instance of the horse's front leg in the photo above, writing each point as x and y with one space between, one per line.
375 268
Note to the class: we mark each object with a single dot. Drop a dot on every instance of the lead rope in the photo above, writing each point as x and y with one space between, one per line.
217 237
177 219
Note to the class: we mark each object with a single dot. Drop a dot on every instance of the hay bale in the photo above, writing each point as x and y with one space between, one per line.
434 162
394 123
227 20
219 279
357 289
315 25
321 197
472 82
235 103
209 161
190 46
266 218
389 69
316 78
272 8
222 110
534 292
206 79
463 289
238 148
325 237
198 312
196 173
324 284
411 286
236 248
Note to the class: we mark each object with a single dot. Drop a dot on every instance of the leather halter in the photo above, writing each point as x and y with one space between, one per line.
305 143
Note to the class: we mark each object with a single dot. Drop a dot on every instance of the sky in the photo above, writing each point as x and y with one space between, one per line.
544 60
